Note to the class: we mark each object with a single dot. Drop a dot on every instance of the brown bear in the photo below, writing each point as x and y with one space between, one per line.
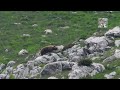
68 46
48 49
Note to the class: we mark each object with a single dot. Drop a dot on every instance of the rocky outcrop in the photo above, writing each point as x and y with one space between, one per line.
56 67
97 44
67 59
84 71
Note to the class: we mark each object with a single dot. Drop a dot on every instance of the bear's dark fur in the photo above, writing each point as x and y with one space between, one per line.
68 46
48 49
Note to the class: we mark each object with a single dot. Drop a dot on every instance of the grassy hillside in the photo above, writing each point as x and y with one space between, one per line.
82 25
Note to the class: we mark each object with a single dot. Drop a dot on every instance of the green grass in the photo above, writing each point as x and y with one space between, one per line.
58 75
82 25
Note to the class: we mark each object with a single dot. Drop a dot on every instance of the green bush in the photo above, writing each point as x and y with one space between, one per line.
85 62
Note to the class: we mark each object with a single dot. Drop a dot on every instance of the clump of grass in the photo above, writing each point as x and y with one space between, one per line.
85 62
12 76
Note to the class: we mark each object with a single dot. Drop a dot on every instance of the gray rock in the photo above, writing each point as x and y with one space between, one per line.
21 66
48 31
11 63
117 53
75 59
84 71
115 32
94 58
111 75
56 67
117 43
2 66
60 55
52 77
23 52
45 59
25 72
67 65
71 55
7 77
35 71
97 43
2 76
62 59
9 70
80 52
51 68
79 72
30 64
109 59
56 57
26 35
99 67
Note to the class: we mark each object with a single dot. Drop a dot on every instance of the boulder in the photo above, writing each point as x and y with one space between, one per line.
115 32
56 67
51 68
84 71
97 43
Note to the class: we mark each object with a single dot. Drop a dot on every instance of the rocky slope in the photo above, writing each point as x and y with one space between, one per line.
65 64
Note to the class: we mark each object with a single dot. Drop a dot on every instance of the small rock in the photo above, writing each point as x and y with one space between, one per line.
26 35
6 50
117 53
94 58
2 76
9 70
48 31
117 43
30 64
34 25
52 77
2 66
23 52
75 59
17 23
